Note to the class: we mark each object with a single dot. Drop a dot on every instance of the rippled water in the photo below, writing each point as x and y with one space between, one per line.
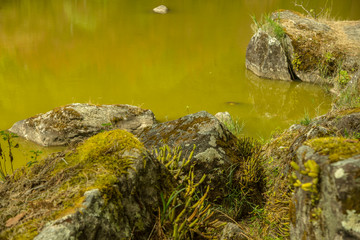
54 53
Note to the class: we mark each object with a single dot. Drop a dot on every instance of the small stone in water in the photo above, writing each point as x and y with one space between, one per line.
162 9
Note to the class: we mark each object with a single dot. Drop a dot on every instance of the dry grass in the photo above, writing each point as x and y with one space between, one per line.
34 192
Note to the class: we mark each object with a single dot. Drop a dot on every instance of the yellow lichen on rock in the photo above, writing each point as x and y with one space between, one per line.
337 148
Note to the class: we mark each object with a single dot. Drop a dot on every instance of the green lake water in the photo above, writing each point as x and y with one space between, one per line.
54 53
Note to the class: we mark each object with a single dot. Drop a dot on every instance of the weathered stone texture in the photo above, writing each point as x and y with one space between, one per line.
76 122
336 214
266 57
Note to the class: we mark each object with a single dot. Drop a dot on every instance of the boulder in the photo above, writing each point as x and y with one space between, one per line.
266 57
76 122
307 209
330 208
312 50
162 9
109 187
319 47
216 148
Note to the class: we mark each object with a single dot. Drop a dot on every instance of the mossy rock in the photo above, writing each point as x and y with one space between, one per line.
107 187
336 148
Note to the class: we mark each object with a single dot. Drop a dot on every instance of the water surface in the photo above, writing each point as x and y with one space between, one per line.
56 52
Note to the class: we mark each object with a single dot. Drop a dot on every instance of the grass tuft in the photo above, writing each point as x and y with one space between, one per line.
270 25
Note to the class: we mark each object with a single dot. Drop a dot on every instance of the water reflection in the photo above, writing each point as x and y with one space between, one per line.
56 52
291 101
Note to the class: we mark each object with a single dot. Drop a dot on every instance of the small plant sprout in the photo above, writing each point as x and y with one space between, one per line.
34 157
269 25
235 126
344 77
296 62
306 120
107 126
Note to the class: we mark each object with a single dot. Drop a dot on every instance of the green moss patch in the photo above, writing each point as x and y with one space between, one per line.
336 148
349 111
55 187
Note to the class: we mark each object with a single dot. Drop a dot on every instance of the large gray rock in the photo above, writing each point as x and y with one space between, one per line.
333 212
76 122
266 57
312 50
216 148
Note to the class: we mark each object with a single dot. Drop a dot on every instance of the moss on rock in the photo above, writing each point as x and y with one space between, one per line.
337 148
97 163
349 111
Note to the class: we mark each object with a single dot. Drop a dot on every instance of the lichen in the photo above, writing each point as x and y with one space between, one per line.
352 221
337 148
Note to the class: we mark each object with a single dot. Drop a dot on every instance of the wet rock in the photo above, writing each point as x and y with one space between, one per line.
215 150
332 212
162 9
266 57
76 122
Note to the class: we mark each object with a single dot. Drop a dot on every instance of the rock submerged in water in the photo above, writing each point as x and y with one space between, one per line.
76 122
162 9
